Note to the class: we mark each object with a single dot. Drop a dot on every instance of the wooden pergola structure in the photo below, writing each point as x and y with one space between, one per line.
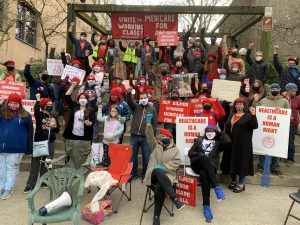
256 13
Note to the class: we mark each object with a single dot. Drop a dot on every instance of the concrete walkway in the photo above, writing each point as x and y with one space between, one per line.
256 206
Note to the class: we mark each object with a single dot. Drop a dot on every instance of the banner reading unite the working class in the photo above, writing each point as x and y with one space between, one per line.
169 110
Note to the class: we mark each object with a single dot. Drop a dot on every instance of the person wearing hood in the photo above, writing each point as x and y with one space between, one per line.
146 49
40 85
239 127
211 67
276 100
138 138
164 161
47 127
204 156
142 87
213 116
258 67
288 74
9 72
130 57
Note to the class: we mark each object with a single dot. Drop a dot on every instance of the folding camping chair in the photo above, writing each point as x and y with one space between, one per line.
120 168
296 198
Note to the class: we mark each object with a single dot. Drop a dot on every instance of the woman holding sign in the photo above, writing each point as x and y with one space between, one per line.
240 127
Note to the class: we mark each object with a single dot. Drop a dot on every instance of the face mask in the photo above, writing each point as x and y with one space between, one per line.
235 70
222 77
204 90
83 101
130 45
82 38
234 54
164 72
144 101
13 106
290 65
179 64
147 41
166 141
198 58
91 82
239 108
210 135
210 59
119 81
113 114
213 40
44 77
274 93
256 88
96 69
258 58
207 107
9 68
142 82
76 66
102 42
48 108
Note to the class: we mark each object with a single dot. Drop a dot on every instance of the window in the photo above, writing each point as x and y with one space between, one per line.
26 25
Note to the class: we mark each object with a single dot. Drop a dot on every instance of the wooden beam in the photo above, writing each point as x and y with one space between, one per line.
71 17
246 25
266 43
224 18
91 21
226 10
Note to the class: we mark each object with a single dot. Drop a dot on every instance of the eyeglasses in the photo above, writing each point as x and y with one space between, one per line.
91 79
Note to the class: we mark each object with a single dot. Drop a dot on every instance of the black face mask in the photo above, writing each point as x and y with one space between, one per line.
204 90
147 41
44 77
213 41
48 108
9 68
234 54
164 72
207 107
256 88
274 93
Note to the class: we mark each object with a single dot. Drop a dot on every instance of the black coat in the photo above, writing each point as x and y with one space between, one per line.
258 70
196 149
241 162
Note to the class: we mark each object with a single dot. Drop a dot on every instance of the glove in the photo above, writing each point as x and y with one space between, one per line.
149 118
159 167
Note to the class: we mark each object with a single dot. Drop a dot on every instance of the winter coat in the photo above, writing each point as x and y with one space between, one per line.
123 108
169 157
119 69
279 102
295 106
241 159
211 69
4 73
142 54
36 86
258 70
78 52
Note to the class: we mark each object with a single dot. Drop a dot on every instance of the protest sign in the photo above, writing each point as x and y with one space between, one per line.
169 110
183 83
186 190
271 138
226 90
195 105
9 87
72 72
28 105
187 129
55 67
167 38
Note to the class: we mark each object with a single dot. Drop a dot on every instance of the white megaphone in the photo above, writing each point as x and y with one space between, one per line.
63 201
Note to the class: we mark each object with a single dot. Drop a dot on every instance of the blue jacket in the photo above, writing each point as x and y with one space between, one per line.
16 135
78 52
35 85
122 107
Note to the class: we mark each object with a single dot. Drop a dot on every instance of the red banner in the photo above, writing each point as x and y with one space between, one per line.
135 26
8 87
167 38
186 190
169 110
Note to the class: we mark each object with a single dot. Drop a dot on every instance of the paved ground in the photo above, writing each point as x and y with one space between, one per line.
256 206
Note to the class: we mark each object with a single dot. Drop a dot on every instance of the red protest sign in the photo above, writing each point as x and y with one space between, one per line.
169 110
9 87
195 106
167 38
186 190
127 25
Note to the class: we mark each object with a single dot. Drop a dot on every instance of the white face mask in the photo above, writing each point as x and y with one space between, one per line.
234 69
258 58
91 82
179 64
142 82
143 101
82 38
97 69
210 135
222 77
83 101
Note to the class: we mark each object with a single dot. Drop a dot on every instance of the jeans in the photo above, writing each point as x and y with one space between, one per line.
58 98
274 163
242 179
38 167
137 141
291 149
9 169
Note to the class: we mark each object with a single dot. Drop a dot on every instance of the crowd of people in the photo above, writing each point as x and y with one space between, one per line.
103 98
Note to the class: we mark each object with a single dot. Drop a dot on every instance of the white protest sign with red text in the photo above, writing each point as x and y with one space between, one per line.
72 72
169 110
9 87
28 105
186 190
272 136
187 129
167 38
55 67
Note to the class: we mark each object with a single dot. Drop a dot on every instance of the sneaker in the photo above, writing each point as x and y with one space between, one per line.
207 213
27 190
232 185
44 185
156 220
289 163
277 173
6 194
219 193
132 178
239 189
179 205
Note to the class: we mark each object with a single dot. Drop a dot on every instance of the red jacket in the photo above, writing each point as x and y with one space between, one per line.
211 69
295 106
121 86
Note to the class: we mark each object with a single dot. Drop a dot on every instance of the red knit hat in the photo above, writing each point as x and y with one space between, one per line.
149 91
44 102
142 78
77 62
211 55
115 92
14 98
97 63
82 93
197 54
240 100
76 79
293 59
236 63
207 101
166 132
9 63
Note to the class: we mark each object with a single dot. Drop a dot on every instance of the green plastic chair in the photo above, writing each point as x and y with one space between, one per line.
58 181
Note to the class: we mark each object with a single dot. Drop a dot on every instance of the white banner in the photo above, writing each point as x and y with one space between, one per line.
55 67
28 105
187 129
226 90
272 136
72 72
